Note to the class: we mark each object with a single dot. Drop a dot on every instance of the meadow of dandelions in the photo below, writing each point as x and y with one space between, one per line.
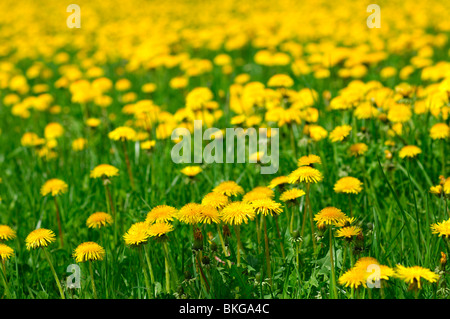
359 206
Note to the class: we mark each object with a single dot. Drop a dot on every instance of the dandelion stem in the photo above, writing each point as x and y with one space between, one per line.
91 272
54 273
167 265
150 268
5 282
280 237
313 238
267 252
127 161
222 242
147 283
239 244
350 204
333 275
58 218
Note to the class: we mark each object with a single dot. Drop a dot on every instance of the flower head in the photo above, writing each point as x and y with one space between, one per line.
348 185
137 234
209 215
104 170
99 220
409 151
161 213
442 228
258 193
277 181
339 133
440 131
291 194
88 251
309 160
7 233
305 174
266 206
358 149
122 133
190 213
215 200
40 237
5 252
413 275
348 232
353 278
54 186
159 229
53 130
237 213
191 171
229 188
329 216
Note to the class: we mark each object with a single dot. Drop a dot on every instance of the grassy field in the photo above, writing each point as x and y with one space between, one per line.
367 103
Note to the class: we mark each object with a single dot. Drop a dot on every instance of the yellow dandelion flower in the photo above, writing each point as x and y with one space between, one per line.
229 188
40 237
329 216
399 113
440 131
348 232
340 133
190 213
409 151
99 220
437 190
93 122
79 144
54 186
88 251
353 278
237 213
191 171
31 139
277 181
358 149
137 234
305 174
280 80
7 233
160 229
442 228
317 132
148 145
291 194
258 193
53 130
209 215
104 170
309 160
215 200
6 252
122 133
348 185
161 213
413 275
365 262
266 206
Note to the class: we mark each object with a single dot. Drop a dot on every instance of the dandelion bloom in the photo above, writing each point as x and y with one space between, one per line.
99 220
291 194
305 174
412 275
104 170
409 151
309 160
190 213
160 229
353 278
5 252
122 133
317 132
358 149
40 238
229 188
340 133
216 200
88 251
7 233
348 232
266 207
365 262
191 171
93 122
137 234
161 213
53 130
440 131
79 144
399 113
31 139
437 190
148 145
329 216
280 80
442 228
259 192
277 181
348 185
237 213
366 111
209 215
54 186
